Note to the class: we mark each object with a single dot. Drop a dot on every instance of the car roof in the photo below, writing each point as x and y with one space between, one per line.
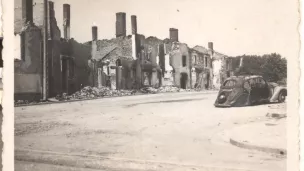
244 77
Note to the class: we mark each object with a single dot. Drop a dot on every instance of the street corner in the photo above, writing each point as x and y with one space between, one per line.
267 136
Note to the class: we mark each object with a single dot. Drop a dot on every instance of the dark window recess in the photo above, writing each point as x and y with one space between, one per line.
72 68
195 59
118 62
206 62
22 41
228 74
184 61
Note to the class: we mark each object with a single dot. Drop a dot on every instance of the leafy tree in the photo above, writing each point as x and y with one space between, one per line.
271 66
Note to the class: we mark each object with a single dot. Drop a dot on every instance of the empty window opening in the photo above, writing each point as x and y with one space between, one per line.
228 74
206 61
72 68
184 60
118 62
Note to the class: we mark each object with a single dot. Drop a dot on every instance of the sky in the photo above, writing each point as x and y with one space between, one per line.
236 27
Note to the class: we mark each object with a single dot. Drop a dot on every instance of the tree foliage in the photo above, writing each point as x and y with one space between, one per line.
271 66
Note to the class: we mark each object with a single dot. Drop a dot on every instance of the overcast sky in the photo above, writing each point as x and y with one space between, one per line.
235 26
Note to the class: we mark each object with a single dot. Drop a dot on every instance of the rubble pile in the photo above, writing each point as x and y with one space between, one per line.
148 90
95 92
167 89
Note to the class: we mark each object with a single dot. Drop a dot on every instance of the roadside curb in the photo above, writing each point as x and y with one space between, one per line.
279 151
108 97
108 163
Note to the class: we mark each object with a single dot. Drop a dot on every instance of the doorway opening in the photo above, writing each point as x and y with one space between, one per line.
183 80
207 81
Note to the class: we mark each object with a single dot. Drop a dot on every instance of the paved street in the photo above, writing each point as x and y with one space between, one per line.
177 129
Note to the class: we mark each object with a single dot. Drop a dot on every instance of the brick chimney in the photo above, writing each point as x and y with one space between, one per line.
27 11
174 34
66 21
94 33
51 15
120 24
134 24
210 47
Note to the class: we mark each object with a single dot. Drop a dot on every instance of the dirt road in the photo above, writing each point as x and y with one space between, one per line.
182 129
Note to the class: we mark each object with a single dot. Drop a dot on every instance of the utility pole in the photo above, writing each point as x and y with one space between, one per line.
45 56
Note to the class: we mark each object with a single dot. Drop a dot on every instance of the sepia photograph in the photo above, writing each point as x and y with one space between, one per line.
156 85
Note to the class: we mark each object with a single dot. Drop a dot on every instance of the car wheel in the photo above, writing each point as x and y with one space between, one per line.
281 97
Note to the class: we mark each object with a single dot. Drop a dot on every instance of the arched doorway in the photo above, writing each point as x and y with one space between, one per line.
183 80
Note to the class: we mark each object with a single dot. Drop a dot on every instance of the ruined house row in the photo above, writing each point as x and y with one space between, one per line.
124 62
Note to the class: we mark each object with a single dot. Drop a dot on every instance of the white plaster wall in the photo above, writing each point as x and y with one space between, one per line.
134 46
217 66
168 76
167 63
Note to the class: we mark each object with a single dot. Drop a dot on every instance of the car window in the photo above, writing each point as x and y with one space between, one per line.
247 85
252 82
262 82
230 83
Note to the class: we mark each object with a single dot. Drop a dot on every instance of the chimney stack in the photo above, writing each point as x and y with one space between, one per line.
94 33
66 21
51 14
134 24
174 34
120 24
210 46
27 11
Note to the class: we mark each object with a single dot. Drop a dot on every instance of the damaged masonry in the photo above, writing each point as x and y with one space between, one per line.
48 65
141 85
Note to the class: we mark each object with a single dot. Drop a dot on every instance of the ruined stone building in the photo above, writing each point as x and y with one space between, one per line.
221 66
67 68
201 70
124 62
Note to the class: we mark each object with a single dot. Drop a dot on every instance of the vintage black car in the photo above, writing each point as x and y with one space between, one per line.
249 90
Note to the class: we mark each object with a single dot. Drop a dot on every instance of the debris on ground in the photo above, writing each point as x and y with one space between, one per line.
89 92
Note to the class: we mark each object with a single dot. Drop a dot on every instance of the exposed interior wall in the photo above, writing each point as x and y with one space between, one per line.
217 70
28 69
